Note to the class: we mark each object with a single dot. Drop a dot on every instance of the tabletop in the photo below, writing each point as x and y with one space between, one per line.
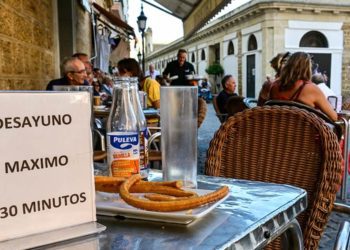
253 213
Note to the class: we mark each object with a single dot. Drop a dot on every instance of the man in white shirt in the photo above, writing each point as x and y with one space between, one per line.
152 72
319 80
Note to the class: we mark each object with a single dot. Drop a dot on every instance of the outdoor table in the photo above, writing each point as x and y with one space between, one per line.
254 214
103 113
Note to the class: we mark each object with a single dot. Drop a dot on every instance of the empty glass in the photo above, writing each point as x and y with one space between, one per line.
178 112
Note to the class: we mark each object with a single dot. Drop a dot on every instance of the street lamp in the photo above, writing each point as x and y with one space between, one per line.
139 56
141 23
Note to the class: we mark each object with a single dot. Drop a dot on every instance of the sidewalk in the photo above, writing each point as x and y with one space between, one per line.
206 133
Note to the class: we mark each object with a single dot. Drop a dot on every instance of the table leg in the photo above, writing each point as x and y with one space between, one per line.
292 238
344 187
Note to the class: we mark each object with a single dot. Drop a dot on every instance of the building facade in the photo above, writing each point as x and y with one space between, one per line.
35 36
244 40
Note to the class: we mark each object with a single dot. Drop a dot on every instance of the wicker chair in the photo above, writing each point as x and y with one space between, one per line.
285 145
202 111
236 104
220 116
337 129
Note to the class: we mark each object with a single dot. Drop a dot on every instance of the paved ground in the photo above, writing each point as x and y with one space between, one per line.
205 134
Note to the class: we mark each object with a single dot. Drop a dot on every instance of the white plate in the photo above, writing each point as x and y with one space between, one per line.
174 77
100 107
111 204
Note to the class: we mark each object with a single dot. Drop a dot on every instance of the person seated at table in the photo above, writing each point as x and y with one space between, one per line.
97 88
204 89
107 85
229 86
235 104
161 80
319 80
88 66
179 68
152 88
85 59
130 67
74 73
277 64
294 84
152 72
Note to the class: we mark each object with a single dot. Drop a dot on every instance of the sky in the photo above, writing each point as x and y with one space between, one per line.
166 28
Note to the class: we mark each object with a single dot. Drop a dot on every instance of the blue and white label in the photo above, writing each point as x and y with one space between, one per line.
123 141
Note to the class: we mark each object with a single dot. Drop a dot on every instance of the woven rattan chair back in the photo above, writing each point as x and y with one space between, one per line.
202 111
220 116
236 104
282 145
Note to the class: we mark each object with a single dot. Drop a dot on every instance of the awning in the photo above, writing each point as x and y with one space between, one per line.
113 19
193 13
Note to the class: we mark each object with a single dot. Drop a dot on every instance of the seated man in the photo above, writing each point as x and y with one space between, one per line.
152 72
318 78
229 85
74 74
152 88
130 67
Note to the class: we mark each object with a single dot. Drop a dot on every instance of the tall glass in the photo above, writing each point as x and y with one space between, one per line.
178 112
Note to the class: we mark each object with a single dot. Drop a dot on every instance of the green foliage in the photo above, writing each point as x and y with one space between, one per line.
215 69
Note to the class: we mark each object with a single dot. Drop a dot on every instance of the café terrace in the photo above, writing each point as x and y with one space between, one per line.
271 176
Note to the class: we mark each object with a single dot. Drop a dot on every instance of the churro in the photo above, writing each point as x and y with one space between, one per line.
164 197
112 185
167 206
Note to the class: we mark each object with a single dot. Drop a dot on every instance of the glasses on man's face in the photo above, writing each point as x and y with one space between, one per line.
79 71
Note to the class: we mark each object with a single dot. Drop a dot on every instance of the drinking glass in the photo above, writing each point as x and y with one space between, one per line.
178 112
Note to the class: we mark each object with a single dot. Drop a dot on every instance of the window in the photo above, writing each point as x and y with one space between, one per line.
193 58
314 39
252 44
230 49
202 55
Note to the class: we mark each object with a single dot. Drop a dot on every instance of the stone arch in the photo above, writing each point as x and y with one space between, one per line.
252 43
193 57
202 55
230 48
314 39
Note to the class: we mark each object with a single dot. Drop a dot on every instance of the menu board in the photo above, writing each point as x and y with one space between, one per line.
46 168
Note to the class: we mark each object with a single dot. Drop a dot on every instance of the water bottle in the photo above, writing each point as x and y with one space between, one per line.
142 125
123 147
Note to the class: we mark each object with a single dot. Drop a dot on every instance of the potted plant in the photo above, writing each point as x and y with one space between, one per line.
217 71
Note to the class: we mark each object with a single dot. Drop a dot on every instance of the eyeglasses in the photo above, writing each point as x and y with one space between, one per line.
79 71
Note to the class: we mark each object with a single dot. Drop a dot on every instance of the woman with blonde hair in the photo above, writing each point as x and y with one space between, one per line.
294 84
277 64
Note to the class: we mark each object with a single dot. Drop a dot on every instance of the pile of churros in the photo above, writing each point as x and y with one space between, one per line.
164 196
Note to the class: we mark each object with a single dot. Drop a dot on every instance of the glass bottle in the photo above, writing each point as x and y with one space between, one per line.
123 147
142 125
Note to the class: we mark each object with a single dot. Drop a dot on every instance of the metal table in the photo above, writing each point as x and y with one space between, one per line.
253 215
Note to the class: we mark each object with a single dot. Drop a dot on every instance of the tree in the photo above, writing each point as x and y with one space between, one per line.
216 70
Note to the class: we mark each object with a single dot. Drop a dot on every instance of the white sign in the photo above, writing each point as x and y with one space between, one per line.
46 168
